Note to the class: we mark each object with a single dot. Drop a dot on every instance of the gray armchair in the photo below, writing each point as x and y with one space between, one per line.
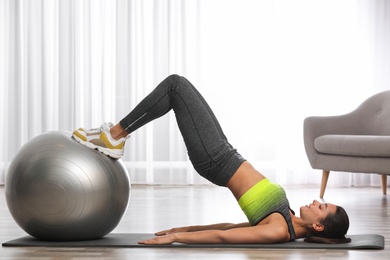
355 142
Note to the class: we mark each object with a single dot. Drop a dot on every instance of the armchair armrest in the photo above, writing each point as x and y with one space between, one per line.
316 126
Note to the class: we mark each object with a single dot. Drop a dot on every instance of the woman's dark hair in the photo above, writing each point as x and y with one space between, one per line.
335 228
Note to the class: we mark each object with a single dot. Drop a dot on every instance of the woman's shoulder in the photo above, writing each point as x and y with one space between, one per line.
277 223
276 219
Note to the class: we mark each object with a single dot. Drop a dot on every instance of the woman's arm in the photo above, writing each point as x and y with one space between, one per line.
220 226
260 234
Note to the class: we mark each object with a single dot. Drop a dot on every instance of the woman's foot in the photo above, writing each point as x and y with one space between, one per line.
101 139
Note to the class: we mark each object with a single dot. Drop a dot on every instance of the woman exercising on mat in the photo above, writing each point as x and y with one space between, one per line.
264 203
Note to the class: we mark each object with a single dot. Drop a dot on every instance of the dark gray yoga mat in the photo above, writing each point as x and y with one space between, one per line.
369 241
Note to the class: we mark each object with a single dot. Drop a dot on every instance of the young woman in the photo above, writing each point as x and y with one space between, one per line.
265 204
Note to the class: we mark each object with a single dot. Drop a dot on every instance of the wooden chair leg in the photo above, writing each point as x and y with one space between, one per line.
384 184
324 181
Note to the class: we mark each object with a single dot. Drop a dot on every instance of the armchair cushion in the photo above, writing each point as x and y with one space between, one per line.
353 145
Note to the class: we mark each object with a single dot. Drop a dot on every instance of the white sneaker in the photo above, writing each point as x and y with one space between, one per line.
101 139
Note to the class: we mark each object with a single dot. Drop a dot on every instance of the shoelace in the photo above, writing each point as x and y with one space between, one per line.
104 126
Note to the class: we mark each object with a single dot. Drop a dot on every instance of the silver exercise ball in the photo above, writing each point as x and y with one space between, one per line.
59 190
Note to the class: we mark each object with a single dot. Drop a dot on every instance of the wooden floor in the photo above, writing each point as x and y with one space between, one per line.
155 208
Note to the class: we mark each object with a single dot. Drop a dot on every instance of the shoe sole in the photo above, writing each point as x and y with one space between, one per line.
103 150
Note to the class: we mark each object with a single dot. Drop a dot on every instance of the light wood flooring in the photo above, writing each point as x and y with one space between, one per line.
154 208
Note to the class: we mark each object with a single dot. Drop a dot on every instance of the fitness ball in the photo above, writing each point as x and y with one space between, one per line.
59 190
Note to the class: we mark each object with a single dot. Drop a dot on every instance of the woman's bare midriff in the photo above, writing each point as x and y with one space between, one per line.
243 179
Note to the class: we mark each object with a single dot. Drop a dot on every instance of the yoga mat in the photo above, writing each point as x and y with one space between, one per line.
369 241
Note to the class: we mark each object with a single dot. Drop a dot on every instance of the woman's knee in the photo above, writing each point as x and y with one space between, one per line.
174 78
179 83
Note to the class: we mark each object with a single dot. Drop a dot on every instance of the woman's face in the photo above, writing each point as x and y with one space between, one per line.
313 213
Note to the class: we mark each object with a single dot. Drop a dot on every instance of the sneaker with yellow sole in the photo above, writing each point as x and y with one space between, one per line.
101 140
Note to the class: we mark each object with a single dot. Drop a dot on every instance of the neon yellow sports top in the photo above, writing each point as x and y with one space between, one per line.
263 199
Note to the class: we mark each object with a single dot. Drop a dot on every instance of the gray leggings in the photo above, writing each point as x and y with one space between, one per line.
208 148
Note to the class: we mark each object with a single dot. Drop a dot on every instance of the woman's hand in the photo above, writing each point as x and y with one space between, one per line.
174 230
165 237
159 240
